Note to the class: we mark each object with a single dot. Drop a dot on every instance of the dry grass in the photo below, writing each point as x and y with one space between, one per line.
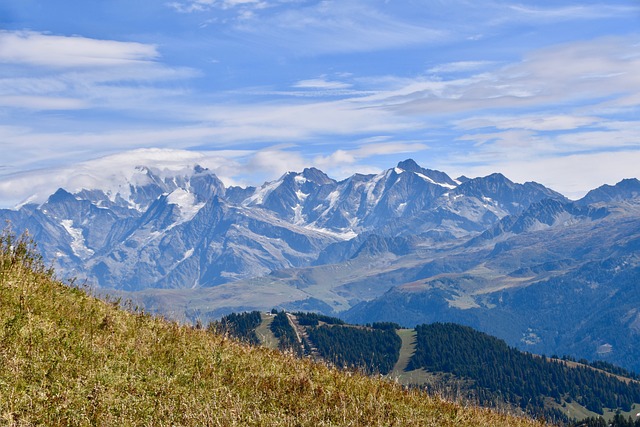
68 359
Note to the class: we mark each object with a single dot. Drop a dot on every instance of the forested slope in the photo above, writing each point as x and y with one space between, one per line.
472 364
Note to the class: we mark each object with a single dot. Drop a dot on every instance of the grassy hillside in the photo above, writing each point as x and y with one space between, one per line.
67 358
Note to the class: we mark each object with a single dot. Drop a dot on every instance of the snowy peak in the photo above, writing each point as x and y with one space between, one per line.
404 199
433 176
138 188
292 196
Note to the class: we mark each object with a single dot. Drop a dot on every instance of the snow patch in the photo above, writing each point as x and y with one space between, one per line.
370 187
333 198
187 254
78 245
344 234
488 202
441 184
186 203
298 219
261 193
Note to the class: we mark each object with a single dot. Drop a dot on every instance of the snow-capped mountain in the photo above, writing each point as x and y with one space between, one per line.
407 199
181 228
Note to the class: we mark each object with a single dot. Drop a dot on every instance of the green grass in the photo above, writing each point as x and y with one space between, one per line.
264 332
408 337
68 359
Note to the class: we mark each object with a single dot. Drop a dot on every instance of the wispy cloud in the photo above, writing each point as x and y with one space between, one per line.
51 72
302 120
536 122
571 13
347 26
572 76
32 48
340 27
556 100
321 83
42 103
460 66
190 6
315 27
351 156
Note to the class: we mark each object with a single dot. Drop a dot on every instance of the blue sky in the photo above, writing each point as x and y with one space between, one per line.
538 90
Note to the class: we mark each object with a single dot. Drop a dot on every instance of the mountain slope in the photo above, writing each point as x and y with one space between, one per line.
624 190
69 359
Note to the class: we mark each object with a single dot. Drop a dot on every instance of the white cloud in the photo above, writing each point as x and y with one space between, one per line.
39 149
321 83
560 100
571 13
42 102
270 163
575 91
460 66
32 48
339 27
346 26
590 72
191 6
52 72
529 145
560 109
537 122
342 161
273 121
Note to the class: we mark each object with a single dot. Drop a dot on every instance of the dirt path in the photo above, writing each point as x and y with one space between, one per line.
303 336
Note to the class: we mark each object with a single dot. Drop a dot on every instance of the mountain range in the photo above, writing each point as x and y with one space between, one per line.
409 245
